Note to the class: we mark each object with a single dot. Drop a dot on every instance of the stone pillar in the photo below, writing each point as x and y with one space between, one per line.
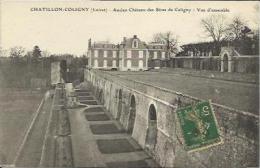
222 65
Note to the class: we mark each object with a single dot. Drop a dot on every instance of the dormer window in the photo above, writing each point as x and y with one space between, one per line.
135 43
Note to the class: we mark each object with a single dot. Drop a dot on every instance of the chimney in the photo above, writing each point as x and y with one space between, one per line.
135 36
124 39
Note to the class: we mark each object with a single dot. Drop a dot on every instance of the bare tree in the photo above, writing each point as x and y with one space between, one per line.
3 52
45 53
169 39
17 51
215 27
236 29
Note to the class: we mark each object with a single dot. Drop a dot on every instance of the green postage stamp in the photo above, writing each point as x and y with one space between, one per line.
199 126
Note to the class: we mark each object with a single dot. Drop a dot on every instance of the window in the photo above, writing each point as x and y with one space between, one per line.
96 53
114 63
128 63
155 54
105 54
163 55
141 54
105 63
129 54
135 43
95 63
114 54
141 64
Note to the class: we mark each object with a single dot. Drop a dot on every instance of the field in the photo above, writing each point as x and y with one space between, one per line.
16 110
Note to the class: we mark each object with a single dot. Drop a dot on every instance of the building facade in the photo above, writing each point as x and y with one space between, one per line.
131 54
103 55
158 55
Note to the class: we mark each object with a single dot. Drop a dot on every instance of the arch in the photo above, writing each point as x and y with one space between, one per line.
152 113
120 104
151 135
132 114
226 57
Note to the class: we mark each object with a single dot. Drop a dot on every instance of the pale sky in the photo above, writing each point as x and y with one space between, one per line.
68 32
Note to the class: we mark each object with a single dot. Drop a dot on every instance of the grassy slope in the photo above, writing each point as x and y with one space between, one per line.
16 110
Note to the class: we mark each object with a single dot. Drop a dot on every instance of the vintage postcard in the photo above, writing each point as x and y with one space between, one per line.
129 84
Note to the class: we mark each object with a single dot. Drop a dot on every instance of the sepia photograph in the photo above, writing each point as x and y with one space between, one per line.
129 84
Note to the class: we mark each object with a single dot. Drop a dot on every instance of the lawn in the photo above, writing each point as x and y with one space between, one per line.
16 110
241 96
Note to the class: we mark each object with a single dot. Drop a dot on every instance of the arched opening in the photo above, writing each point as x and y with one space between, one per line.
101 97
120 104
132 112
152 113
225 63
151 135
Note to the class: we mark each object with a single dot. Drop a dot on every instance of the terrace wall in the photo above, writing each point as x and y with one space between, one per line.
239 129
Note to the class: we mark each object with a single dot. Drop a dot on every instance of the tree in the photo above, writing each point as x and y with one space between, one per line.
215 27
3 52
245 31
84 60
45 53
17 51
36 52
237 29
169 39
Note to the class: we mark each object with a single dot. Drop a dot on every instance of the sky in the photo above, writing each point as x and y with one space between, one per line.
68 31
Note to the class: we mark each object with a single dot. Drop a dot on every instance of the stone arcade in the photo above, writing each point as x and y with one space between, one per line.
148 113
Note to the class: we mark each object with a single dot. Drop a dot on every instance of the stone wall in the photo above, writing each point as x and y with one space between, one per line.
162 137
246 64
241 64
